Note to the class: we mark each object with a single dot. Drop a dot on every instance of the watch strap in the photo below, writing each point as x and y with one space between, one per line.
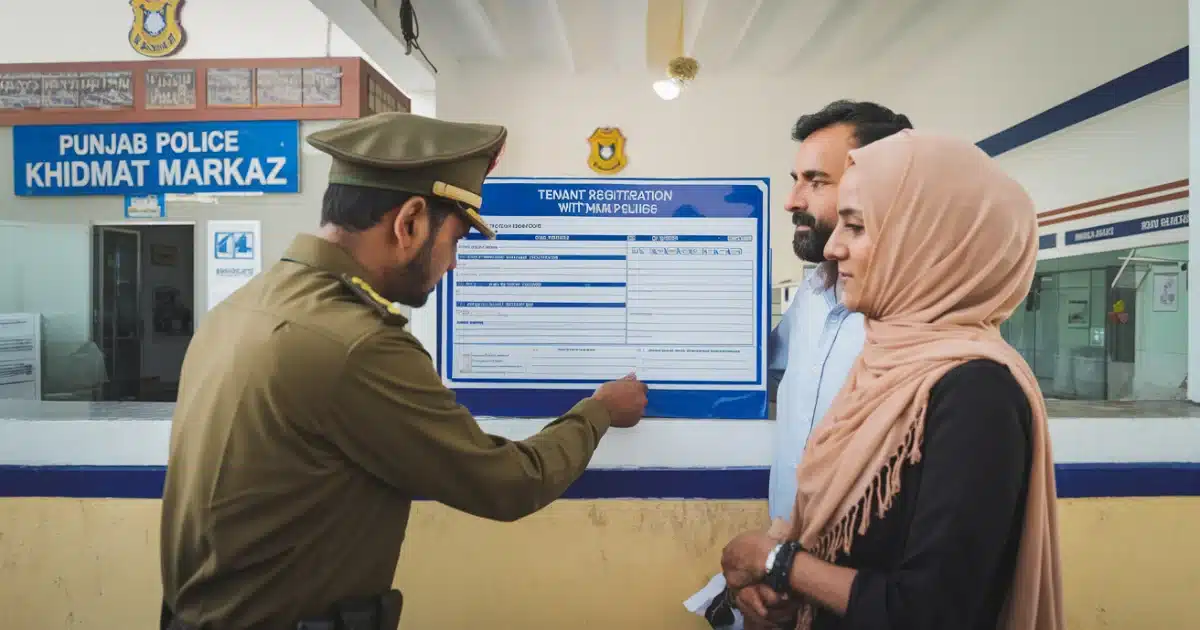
779 570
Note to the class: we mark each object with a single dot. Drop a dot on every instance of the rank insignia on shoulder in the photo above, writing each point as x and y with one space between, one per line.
368 294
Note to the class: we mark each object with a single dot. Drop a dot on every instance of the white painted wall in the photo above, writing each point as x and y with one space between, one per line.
72 439
1138 145
718 128
979 76
87 30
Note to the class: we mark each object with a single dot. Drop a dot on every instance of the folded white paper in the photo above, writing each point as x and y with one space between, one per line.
702 599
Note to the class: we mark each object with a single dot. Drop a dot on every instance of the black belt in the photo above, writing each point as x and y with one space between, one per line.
377 612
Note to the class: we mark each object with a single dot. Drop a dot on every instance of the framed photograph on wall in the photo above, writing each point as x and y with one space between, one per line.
1166 292
164 255
1078 315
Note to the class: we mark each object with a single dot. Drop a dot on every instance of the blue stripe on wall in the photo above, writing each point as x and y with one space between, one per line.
1157 75
1074 481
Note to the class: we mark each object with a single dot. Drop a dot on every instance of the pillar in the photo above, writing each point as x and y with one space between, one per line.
1193 340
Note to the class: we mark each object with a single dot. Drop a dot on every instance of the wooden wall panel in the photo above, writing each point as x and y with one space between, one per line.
359 83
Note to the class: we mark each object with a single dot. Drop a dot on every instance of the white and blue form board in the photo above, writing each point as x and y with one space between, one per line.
591 279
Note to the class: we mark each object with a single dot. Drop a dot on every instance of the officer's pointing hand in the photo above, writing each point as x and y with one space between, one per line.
625 400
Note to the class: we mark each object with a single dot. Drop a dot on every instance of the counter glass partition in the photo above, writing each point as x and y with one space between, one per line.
1109 326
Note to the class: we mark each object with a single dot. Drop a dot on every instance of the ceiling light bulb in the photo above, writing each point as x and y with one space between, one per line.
667 89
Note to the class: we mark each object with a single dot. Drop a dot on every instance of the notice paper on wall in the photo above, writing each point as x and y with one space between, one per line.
591 279
20 356
234 257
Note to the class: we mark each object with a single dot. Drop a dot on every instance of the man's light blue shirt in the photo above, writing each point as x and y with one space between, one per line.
809 355
810 352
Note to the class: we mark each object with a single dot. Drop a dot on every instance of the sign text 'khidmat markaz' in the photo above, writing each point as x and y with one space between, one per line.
152 158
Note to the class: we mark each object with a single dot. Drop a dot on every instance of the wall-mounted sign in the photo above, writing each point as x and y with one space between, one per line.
156 30
66 90
21 356
1158 223
607 156
279 87
1166 292
260 156
230 87
234 257
146 206
1048 241
170 88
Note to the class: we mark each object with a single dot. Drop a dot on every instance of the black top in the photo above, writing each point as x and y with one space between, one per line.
943 555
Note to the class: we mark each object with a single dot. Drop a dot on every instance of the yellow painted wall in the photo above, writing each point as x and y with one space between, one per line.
69 563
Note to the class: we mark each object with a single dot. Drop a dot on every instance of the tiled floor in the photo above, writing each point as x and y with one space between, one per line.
29 410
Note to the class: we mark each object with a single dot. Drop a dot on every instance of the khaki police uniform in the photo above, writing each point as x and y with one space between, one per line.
309 419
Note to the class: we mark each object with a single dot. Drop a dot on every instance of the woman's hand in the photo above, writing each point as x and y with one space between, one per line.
779 529
764 609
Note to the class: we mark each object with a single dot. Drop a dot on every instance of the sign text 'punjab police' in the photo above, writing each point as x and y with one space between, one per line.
151 158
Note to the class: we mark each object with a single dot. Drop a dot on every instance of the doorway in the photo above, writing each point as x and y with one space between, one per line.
143 290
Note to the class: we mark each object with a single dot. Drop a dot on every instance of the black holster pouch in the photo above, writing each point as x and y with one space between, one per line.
377 612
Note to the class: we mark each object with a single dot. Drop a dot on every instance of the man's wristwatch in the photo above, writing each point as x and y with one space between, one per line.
779 566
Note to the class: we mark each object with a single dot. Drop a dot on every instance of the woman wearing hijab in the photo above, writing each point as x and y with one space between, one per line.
926 494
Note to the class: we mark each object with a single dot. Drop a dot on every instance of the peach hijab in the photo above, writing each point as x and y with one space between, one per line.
955 244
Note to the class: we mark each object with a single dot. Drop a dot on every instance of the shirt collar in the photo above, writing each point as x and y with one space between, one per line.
318 253
815 283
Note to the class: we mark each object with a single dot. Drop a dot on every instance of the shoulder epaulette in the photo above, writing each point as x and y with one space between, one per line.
389 310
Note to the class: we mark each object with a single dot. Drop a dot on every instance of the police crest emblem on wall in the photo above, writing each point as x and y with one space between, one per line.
156 30
607 156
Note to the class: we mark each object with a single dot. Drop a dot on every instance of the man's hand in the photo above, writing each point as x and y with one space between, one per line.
744 565
744 560
764 609
625 400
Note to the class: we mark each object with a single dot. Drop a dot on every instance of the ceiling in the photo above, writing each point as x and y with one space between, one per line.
735 36
970 67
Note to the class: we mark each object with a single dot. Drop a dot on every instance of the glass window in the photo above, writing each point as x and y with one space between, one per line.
1108 326
94 313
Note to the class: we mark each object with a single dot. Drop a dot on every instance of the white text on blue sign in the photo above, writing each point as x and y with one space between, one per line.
259 156
601 201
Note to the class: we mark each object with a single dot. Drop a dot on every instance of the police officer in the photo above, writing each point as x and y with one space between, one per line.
308 418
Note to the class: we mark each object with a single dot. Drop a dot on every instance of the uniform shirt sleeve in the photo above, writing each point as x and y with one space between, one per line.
976 456
398 421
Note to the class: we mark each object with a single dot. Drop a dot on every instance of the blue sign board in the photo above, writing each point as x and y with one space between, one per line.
261 156
1158 223
591 279
1048 241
